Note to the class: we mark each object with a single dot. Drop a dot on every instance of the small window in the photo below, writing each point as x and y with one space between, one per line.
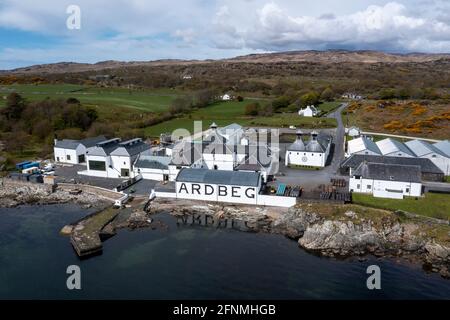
369 187
124 163
358 186
68 157
407 190
434 156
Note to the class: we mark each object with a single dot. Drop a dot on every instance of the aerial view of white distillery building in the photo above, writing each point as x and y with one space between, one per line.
259 150
312 151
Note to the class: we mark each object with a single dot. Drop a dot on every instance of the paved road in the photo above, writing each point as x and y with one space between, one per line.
312 178
339 153
436 186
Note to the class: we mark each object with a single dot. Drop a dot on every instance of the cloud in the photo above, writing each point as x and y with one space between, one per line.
140 29
387 27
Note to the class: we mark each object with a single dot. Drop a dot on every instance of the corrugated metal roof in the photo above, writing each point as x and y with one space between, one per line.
361 144
236 178
426 165
389 172
443 146
422 148
388 146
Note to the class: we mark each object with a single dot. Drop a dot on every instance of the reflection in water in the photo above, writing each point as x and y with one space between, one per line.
186 262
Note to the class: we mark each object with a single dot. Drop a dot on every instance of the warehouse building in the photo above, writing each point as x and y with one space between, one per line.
313 152
113 158
429 171
362 145
423 149
393 148
74 151
386 180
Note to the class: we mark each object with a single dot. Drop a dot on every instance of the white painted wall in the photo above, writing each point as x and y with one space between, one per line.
385 189
61 154
443 163
218 193
304 158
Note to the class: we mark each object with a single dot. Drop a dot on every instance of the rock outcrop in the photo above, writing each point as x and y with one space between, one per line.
351 232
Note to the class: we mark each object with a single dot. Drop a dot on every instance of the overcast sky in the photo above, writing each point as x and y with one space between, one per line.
34 31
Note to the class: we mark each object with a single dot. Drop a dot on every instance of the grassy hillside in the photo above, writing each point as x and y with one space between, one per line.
223 113
143 100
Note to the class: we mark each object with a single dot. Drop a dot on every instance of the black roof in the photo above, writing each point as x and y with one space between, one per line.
426 165
390 172
236 178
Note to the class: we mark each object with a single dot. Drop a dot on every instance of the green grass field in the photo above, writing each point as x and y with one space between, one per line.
144 100
329 106
110 102
431 205
224 113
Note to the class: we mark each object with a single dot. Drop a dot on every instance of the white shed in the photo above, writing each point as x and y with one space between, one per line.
309 111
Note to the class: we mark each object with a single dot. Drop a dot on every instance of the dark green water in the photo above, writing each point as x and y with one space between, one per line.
186 263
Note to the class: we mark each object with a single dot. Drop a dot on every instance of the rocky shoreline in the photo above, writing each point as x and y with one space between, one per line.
13 196
339 231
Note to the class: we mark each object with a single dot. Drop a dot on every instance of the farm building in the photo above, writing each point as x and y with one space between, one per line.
393 148
309 111
362 145
113 158
423 149
74 151
428 169
386 180
312 153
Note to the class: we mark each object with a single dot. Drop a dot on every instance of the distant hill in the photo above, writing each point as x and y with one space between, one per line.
330 56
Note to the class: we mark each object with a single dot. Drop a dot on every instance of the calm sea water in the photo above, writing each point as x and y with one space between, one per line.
186 263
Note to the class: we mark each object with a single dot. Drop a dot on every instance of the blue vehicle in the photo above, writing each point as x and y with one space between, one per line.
31 165
20 165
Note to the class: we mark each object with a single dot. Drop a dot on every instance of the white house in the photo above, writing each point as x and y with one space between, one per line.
393 148
309 111
226 97
73 151
362 145
386 180
423 149
113 158
312 153
353 131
